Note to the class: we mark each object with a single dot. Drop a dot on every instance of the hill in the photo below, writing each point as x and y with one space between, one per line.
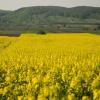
50 18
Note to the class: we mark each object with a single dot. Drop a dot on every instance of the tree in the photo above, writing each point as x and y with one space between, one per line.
41 32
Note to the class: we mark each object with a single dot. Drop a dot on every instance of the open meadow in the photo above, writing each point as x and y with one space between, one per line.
50 67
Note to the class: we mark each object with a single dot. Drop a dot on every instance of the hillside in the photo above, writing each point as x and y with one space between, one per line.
3 12
49 18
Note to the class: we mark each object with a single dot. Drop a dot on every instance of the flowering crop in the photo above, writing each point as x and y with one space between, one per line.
50 67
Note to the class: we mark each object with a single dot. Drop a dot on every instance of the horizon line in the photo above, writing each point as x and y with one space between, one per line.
48 6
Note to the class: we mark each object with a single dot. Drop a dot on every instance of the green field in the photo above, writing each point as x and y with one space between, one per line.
50 67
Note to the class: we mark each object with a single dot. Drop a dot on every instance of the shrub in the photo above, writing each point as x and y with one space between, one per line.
41 32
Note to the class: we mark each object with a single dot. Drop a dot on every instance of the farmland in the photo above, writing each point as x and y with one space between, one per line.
50 67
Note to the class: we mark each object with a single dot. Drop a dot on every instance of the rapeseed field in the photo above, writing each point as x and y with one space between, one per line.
50 67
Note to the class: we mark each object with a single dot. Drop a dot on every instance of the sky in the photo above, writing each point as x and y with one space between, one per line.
16 4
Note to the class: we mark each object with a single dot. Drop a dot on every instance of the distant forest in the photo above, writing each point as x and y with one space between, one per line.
51 19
